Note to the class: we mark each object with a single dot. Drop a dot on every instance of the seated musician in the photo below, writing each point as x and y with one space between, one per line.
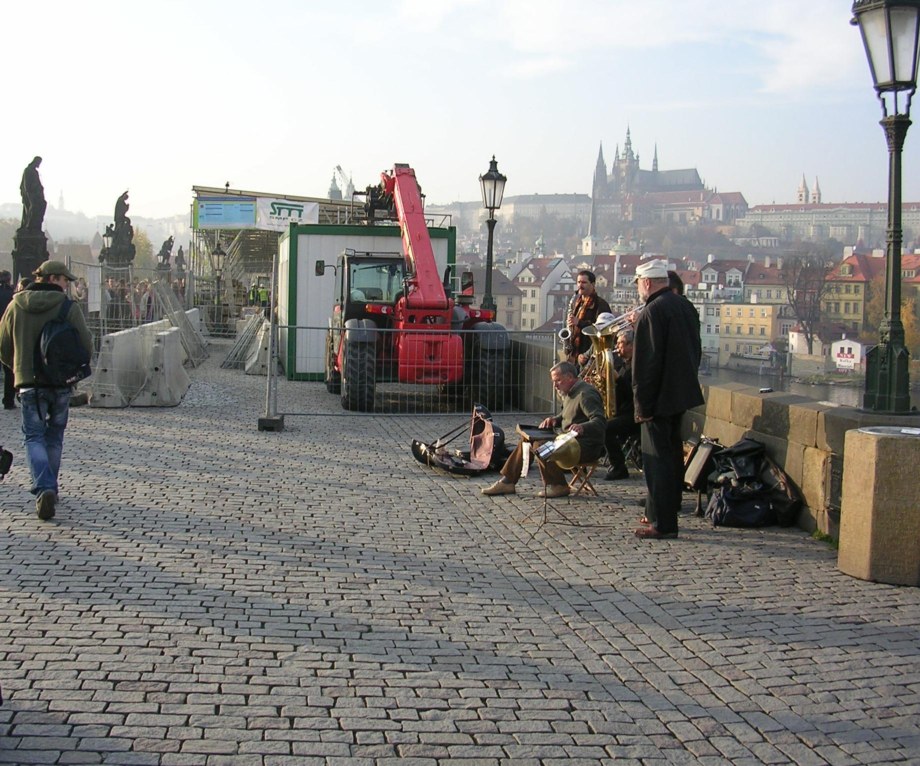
623 424
582 414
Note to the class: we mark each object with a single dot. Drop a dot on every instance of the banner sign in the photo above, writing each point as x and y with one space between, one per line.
278 214
225 213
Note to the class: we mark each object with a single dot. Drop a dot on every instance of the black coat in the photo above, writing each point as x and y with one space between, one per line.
6 295
666 356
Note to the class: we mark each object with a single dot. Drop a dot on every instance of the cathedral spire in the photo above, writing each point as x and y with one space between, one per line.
655 159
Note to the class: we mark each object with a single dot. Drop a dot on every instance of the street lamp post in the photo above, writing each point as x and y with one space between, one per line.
217 266
889 30
493 188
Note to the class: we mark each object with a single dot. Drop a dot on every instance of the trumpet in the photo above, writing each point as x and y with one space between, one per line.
626 321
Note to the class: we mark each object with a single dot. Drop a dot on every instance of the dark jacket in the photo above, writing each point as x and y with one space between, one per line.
666 356
582 343
22 325
624 391
6 295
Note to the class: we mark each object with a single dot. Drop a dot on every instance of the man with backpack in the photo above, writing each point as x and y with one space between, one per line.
44 397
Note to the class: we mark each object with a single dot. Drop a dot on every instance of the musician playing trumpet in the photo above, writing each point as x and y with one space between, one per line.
583 311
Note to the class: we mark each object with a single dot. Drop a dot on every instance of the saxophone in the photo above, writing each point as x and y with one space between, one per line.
565 334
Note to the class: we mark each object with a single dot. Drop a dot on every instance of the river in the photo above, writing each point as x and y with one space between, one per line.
850 396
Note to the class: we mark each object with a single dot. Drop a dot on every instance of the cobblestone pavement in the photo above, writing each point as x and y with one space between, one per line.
209 595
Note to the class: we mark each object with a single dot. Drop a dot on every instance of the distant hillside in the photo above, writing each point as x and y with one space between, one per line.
65 226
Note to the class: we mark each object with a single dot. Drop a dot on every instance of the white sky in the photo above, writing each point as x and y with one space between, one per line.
155 97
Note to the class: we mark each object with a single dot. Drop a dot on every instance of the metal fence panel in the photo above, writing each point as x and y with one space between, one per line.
367 377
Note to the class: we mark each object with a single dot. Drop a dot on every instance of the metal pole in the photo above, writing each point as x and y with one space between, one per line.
271 389
488 302
887 364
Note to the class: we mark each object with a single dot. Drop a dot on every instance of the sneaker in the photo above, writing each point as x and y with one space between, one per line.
44 505
554 490
499 488
614 474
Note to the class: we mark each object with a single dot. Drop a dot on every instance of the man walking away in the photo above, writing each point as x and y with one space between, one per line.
45 407
6 295
666 357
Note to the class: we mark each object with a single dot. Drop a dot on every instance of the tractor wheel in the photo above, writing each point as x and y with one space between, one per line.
333 378
491 379
359 377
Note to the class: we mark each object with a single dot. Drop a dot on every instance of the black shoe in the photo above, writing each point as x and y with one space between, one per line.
44 505
617 473
650 533
9 406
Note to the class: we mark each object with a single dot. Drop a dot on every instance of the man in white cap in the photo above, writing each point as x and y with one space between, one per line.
45 407
666 357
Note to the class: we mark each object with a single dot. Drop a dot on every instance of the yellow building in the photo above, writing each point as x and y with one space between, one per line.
749 329
844 302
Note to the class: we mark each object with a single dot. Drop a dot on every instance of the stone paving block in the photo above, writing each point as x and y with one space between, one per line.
314 595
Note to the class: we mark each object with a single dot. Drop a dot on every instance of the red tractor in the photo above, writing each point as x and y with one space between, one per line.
395 319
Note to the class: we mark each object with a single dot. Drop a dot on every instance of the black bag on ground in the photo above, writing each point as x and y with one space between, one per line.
785 498
60 359
744 505
750 490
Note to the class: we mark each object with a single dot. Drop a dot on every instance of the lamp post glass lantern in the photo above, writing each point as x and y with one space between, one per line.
890 30
493 189
217 266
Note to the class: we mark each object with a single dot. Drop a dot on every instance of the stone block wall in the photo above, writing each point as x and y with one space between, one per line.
806 438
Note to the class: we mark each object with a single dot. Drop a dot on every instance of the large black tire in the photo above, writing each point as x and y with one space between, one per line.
359 376
490 379
333 378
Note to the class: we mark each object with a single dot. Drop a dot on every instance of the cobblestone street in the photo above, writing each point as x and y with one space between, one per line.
212 595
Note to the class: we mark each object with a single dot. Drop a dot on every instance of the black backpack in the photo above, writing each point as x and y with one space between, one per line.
60 359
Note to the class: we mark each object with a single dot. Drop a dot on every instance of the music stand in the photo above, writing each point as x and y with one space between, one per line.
534 435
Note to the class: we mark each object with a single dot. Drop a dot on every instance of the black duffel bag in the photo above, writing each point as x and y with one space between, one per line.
744 505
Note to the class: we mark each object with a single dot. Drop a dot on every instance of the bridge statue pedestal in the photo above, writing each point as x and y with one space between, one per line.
30 250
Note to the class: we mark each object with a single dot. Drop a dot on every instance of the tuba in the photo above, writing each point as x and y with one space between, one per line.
599 370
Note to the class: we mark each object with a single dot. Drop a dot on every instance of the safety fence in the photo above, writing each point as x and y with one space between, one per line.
372 370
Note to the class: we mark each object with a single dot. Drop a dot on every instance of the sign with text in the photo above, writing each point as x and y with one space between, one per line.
225 213
278 214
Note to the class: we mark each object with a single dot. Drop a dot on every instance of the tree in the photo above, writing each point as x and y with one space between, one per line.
143 255
911 325
875 312
875 306
805 278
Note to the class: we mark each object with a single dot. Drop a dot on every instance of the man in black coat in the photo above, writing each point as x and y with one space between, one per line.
6 295
666 356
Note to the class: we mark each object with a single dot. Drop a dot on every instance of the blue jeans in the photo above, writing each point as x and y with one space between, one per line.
44 418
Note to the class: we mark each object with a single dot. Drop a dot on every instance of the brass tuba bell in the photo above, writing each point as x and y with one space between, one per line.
564 451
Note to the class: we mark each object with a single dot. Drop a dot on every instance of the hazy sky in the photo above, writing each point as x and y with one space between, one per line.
156 97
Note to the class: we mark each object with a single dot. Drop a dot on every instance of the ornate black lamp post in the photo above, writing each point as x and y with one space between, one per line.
889 30
217 266
106 245
493 188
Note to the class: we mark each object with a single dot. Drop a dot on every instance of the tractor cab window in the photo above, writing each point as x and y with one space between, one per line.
375 282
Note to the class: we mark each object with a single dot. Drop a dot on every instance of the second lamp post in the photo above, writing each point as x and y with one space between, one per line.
493 188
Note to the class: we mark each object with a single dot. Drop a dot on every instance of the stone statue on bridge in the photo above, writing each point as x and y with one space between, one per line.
30 246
